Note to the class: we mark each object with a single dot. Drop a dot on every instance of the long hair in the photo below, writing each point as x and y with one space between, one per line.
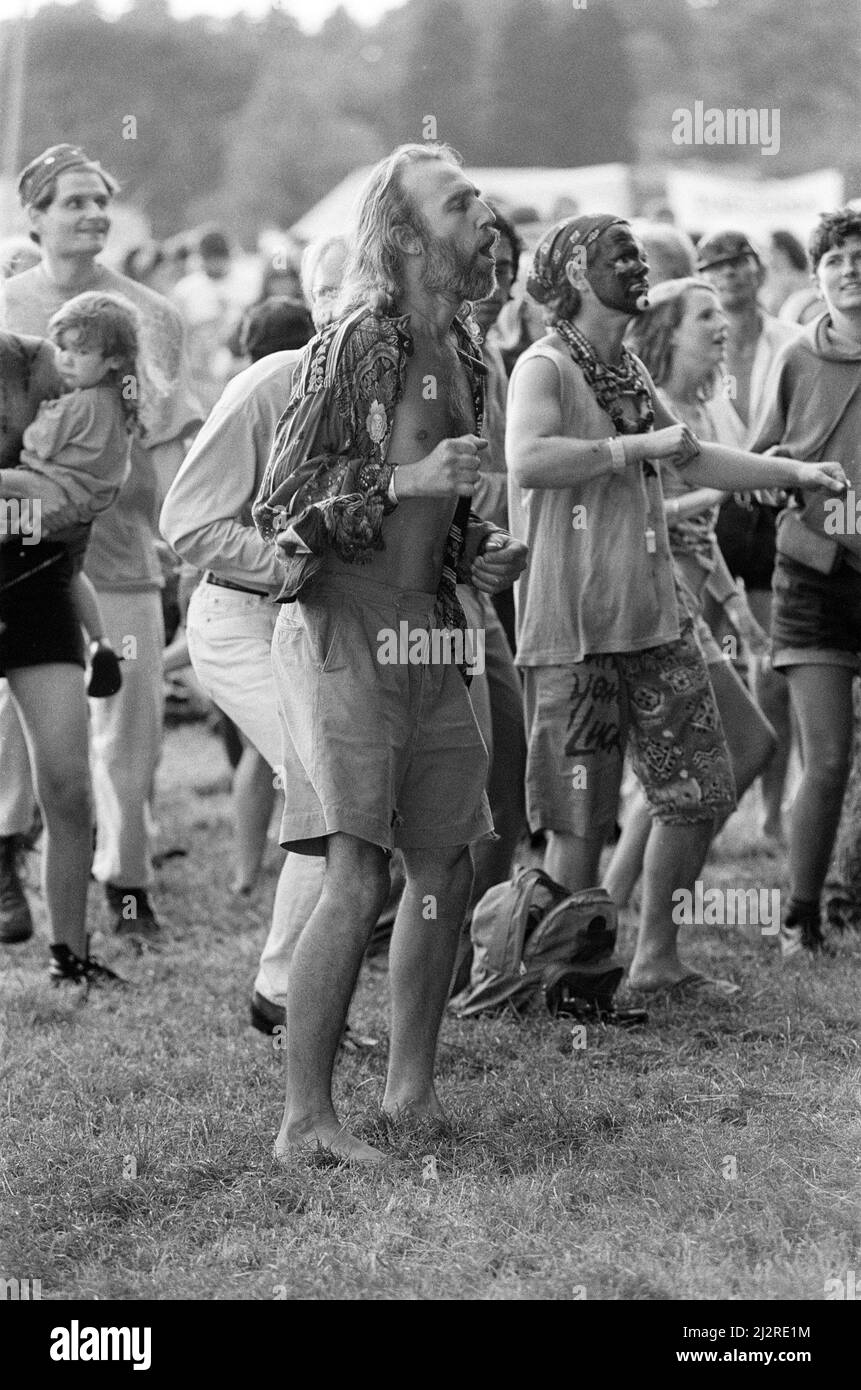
311 258
109 323
374 271
650 333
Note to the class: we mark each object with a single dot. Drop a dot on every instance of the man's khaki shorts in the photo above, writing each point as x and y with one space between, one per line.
386 750
580 718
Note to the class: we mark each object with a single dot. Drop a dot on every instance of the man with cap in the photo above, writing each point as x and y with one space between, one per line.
606 639
732 265
67 196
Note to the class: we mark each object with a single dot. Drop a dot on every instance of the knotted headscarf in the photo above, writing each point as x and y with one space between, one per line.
553 251
58 159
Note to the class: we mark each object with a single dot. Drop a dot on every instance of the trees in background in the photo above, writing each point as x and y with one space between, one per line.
251 122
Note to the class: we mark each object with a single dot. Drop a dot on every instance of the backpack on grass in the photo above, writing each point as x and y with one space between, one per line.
534 941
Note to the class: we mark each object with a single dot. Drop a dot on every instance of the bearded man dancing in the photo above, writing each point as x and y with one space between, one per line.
366 495
604 633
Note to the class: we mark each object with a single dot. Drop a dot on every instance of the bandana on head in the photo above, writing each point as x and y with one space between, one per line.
554 251
58 159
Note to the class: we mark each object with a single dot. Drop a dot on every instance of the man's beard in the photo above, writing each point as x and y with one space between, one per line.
321 318
448 272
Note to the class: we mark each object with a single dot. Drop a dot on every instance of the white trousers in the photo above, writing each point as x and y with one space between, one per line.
126 733
229 637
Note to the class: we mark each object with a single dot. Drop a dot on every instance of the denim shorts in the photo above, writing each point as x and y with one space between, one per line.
387 750
815 618
582 716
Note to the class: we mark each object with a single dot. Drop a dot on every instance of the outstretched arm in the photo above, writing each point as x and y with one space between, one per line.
736 470
541 455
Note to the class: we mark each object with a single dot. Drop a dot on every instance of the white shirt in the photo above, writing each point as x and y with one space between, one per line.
206 516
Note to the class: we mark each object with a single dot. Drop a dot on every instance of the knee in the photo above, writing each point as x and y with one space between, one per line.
65 793
827 768
447 873
360 877
762 750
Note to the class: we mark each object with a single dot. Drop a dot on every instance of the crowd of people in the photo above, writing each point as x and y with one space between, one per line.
632 525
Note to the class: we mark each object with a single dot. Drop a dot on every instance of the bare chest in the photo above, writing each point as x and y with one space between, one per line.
436 404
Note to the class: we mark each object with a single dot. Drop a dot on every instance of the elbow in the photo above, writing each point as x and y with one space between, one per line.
522 464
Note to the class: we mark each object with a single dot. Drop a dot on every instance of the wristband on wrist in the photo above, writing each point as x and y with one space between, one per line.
616 446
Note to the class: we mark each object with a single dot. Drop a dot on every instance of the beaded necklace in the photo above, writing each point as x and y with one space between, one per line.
608 383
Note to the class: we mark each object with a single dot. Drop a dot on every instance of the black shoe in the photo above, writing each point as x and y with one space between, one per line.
67 968
16 924
132 912
105 675
801 934
266 1016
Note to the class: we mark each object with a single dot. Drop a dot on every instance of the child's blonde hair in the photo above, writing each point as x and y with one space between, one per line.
109 323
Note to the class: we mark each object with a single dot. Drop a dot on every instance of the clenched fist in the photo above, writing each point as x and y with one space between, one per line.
675 442
451 470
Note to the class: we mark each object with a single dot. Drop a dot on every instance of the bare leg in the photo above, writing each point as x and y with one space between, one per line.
750 738
87 608
626 863
573 860
822 698
253 800
53 709
674 857
323 974
421 961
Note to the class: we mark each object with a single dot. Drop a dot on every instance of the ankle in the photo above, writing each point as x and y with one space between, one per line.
802 910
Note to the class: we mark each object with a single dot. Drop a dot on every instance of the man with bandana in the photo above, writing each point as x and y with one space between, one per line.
605 638
67 196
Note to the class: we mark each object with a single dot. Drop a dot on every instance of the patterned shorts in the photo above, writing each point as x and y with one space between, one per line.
660 703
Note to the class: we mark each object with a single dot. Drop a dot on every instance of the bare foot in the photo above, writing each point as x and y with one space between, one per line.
327 1137
684 983
405 1107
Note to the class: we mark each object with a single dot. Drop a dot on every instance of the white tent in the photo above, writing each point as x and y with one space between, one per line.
550 192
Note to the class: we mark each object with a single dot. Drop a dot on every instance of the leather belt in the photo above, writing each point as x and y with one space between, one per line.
210 578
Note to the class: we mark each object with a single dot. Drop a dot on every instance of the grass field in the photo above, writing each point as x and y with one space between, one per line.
713 1154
